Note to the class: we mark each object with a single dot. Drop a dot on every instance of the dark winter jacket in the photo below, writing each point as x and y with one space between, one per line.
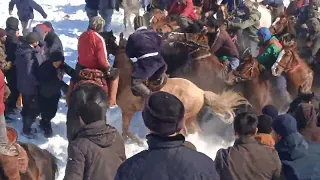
11 45
167 158
25 9
53 49
306 117
248 160
223 45
93 4
95 153
27 63
4 64
299 160
108 4
142 48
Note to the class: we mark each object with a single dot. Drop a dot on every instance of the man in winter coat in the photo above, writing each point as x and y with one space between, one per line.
143 48
8 159
49 76
28 58
249 25
222 45
11 45
299 159
167 157
4 64
314 40
247 159
185 11
106 8
92 8
306 117
92 54
25 12
96 150
264 131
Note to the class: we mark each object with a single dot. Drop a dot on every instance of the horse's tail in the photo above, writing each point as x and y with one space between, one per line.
224 103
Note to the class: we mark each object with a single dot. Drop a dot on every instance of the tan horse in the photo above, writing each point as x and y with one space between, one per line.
297 71
192 97
282 25
252 84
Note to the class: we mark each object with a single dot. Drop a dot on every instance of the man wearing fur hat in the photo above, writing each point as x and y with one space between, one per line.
167 157
250 25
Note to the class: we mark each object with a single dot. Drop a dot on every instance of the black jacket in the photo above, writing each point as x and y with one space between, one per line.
167 159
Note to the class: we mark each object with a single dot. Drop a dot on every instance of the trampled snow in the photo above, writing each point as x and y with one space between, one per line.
68 30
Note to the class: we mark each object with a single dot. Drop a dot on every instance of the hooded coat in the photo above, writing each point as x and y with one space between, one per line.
270 48
306 117
95 153
25 9
27 63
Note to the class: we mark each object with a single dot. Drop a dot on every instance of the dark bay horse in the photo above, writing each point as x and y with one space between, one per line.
33 162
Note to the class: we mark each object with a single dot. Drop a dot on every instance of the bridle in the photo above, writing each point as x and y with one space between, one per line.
238 76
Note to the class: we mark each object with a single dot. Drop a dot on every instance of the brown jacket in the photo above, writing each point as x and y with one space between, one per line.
4 64
95 153
306 117
248 160
222 45
265 139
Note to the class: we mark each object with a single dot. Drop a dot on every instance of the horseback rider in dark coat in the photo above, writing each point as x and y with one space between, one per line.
143 48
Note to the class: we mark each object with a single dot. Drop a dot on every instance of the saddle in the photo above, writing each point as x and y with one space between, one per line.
94 76
156 84
22 157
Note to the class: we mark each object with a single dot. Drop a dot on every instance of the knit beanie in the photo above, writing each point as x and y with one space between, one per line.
96 23
264 124
12 23
163 113
270 110
2 33
284 125
32 37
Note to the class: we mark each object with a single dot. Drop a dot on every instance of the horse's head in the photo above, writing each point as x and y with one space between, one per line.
168 27
222 12
246 71
110 41
283 24
157 16
287 59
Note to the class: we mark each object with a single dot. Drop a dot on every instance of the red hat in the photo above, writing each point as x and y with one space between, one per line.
44 27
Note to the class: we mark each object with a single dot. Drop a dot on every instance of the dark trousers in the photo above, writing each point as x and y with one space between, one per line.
30 111
11 76
48 107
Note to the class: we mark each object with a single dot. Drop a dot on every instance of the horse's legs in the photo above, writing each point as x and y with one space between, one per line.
125 16
126 134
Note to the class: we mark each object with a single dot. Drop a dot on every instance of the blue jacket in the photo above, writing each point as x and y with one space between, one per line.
27 62
300 159
92 4
141 43
25 9
167 158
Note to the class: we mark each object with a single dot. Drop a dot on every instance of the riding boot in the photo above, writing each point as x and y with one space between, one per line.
113 89
10 167
45 125
139 89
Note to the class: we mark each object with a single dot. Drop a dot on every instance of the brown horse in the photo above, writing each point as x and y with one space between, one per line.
205 69
32 162
252 84
299 74
282 25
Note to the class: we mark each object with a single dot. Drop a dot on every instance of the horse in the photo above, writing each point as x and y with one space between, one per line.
251 82
130 7
33 163
299 74
282 25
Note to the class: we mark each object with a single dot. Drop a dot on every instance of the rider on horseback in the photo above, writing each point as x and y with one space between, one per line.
187 16
143 48
92 54
250 24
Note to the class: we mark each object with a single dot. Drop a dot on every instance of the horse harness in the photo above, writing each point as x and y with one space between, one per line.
238 76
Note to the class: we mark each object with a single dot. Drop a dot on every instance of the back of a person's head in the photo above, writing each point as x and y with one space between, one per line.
284 125
306 115
90 102
245 124
270 110
97 23
12 23
264 124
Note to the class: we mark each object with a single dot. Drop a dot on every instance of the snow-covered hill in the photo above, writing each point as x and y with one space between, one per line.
68 31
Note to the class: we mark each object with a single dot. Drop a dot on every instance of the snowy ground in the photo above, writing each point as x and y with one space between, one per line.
68 31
